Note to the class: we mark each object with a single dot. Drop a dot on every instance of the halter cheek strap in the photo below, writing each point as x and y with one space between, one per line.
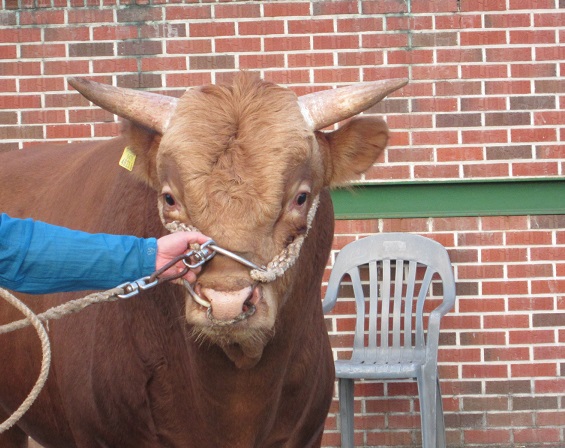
288 256
277 266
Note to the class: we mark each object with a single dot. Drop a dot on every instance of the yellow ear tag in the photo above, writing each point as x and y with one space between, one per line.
128 159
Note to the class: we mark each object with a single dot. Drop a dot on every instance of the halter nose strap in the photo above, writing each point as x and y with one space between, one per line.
233 256
276 267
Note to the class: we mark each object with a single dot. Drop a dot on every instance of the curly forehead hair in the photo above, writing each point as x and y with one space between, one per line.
232 141
249 110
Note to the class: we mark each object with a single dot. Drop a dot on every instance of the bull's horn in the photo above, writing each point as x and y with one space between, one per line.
147 109
321 109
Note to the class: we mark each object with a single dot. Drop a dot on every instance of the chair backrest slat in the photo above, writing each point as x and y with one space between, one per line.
385 303
358 341
398 291
424 288
373 307
409 303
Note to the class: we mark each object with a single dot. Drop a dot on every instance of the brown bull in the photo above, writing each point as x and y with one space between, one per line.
243 163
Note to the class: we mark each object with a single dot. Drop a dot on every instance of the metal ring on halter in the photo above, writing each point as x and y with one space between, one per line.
195 296
205 253
196 258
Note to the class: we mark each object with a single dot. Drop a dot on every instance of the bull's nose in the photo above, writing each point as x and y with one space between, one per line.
227 305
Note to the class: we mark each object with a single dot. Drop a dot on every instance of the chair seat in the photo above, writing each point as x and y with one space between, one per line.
369 370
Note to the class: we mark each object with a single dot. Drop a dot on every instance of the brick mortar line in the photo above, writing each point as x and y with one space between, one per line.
212 5
332 84
338 52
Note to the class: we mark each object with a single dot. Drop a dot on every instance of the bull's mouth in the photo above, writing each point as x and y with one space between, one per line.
248 310
241 334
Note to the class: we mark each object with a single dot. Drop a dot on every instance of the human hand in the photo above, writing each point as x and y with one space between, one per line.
174 244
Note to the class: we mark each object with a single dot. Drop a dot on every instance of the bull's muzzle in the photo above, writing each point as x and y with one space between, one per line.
228 307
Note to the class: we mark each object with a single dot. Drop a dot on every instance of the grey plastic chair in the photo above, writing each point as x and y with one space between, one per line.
399 351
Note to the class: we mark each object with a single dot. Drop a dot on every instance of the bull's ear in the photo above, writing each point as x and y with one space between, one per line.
144 144
352 149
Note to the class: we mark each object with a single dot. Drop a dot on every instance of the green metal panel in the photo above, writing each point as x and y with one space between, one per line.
541 196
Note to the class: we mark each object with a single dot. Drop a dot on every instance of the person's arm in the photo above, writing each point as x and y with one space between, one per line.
40 258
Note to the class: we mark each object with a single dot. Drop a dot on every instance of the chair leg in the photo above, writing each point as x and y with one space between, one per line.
346 411
440 422
427 394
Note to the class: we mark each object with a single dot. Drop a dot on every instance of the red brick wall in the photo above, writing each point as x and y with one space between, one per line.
502 350
485 100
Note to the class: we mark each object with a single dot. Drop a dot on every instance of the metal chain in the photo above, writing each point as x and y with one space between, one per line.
192 260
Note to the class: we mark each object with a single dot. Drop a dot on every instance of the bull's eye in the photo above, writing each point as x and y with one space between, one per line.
169 199
301 198
289 240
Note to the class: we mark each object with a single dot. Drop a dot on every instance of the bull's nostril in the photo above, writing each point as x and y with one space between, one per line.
255 296
227 305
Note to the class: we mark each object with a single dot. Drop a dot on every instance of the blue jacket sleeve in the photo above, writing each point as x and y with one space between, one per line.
40 258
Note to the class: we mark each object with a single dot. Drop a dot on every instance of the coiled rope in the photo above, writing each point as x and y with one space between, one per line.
32 319
36 321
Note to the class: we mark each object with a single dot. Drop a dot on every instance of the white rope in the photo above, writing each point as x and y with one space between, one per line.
65 309
45 362
286 259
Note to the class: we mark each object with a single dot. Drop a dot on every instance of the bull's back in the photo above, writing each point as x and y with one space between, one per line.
60 184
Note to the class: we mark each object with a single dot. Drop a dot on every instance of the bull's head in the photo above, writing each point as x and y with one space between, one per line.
244 164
